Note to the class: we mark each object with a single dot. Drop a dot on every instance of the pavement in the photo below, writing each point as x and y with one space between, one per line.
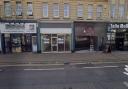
63 58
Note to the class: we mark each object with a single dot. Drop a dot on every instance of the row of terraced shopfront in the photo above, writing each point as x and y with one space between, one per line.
50 26
47 37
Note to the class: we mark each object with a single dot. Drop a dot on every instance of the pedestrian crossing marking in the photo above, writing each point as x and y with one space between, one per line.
126 70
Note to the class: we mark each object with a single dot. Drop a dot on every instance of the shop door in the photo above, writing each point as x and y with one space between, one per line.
16 42
54 44
26 43
119 43
61 42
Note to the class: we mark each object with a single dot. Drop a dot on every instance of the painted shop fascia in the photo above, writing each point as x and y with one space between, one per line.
55 37
18 36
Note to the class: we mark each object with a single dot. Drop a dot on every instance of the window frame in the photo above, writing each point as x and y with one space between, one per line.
19 9
45 8
113 10
29 8
99 11
7 9
90 11
56 8
66 10
121 11
80 11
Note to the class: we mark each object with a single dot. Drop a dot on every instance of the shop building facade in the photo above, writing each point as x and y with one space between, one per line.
90 35
117 35
18 36
55 37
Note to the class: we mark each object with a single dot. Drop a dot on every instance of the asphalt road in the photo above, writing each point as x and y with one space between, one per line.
67 77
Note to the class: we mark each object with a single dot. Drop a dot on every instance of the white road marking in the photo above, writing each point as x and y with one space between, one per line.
0 69
100 67
126 69
44 69
126 73
126 66
64 68
125 83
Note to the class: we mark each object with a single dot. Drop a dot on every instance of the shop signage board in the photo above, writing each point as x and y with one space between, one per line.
18 28
123 26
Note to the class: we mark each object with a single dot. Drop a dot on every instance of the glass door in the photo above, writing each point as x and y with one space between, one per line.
16 42
54 44
61 42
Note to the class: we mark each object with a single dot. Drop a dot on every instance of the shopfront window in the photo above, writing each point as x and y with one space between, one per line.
110 36
67 42
61 43
56 42
46 42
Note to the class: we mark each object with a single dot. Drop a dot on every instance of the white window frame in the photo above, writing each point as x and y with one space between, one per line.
99 11
56 10
45 9
113 11
18 9
90 11
66 10
29 8
121 11
7 9
80 10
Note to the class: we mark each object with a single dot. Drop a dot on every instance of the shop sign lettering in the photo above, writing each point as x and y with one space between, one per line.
119 25
19 28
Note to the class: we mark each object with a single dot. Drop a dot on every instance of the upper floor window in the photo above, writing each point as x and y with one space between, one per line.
7 9
66 10
56 10
122 8
45 10
90 11
113 8
121 11
29 9
18 9
80 10
99 11
113 11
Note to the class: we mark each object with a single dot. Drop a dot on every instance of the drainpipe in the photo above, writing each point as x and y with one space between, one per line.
38 38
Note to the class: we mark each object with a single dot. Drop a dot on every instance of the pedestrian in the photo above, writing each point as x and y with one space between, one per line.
109 49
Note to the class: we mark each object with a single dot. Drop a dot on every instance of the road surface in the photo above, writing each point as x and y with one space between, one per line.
110 76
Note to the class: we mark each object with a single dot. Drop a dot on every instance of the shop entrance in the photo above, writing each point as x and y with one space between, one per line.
120 43
55 42
119 40
18 43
